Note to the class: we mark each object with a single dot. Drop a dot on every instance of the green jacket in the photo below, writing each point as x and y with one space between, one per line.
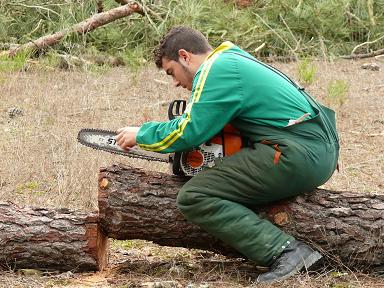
228 88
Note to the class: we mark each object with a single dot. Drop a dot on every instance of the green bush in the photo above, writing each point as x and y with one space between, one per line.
288 28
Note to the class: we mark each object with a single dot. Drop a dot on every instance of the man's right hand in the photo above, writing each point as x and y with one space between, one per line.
126 137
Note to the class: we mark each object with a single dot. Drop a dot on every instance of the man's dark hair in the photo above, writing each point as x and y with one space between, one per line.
180 37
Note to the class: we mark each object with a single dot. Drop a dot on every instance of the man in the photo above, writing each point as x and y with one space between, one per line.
293 146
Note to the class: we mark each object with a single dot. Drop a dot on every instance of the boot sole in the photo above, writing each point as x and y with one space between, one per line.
306 263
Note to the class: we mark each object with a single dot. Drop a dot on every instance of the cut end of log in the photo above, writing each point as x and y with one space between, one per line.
281 218
279 213
97 244
136 7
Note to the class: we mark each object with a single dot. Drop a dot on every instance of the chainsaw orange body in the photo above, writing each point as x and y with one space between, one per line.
189 163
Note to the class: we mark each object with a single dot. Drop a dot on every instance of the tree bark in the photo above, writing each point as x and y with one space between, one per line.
52 239
84 27
348 227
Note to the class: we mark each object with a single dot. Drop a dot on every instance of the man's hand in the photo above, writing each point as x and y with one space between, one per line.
126 137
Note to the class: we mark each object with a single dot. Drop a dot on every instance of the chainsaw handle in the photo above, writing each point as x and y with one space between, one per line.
176 108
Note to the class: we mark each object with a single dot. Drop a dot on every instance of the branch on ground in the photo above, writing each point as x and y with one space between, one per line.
82 28
364 55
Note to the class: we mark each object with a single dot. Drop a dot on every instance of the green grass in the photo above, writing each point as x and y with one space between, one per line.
27 187
13 64
337 92
306 71
128 244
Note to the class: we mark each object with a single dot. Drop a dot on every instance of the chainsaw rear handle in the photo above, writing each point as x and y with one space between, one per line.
176 108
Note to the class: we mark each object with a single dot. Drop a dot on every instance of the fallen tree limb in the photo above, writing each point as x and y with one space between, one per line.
349 227
51 239
364 55
83 27
365 43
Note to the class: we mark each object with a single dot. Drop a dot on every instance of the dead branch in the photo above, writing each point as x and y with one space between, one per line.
81 28
366 43
126 2
364 55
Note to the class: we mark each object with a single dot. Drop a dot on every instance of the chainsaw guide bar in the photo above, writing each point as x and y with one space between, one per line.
105 140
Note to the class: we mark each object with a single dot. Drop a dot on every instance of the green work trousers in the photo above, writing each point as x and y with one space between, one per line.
281 163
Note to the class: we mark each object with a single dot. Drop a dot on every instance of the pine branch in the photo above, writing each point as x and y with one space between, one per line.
81 28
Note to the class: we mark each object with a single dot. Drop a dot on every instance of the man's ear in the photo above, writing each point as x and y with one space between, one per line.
184 56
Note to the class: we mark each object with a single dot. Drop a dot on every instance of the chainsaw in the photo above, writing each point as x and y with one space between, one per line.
187 163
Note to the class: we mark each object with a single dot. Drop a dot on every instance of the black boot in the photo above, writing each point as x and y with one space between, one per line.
293 258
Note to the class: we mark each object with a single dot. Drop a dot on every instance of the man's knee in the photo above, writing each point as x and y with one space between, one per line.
187 200
183 198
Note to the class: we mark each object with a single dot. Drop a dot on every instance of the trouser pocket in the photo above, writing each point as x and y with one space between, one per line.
276 147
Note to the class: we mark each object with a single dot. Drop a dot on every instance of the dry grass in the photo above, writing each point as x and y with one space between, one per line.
360 122
43 165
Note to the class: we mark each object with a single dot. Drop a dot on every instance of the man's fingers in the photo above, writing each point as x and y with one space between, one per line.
125 144
120 141
119 136
126 137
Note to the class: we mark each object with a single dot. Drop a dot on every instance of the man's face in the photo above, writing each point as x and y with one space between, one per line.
180 72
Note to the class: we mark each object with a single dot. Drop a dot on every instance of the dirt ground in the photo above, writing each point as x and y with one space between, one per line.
41 111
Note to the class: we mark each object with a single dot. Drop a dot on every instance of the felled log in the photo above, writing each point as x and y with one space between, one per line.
83 27
50 239
348 227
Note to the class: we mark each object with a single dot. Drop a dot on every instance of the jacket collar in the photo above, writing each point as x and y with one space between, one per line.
224 46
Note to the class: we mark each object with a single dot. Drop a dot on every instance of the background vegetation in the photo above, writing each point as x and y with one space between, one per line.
287 27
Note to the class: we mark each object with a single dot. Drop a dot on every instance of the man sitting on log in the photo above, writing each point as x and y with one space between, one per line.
293 146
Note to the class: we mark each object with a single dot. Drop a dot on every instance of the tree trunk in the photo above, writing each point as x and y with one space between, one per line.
84 27
59 239
348 227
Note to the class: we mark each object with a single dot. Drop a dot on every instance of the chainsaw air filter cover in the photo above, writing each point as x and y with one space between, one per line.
194 161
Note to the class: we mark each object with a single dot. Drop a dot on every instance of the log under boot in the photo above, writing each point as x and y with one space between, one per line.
293 259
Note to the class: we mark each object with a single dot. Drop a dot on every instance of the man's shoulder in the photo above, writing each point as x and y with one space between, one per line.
234 54
216 69
222 62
